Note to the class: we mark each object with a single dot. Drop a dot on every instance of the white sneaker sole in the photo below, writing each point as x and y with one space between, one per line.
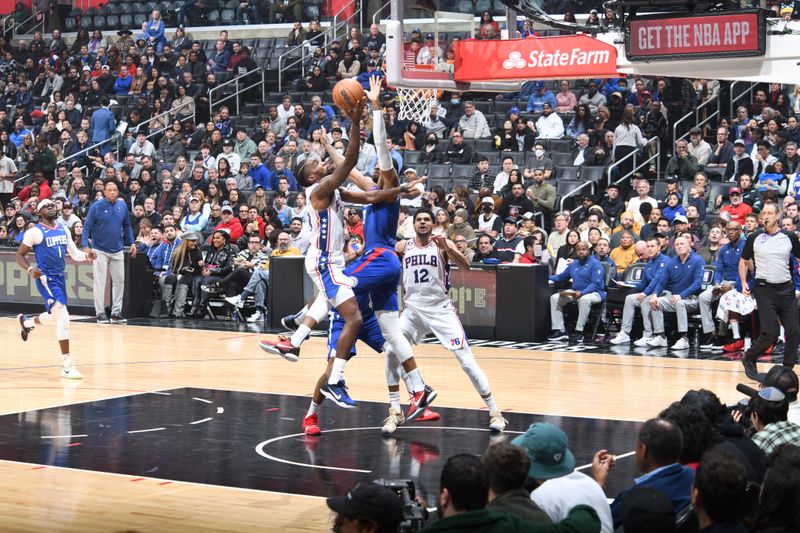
71 374
616 341
273 350
336 400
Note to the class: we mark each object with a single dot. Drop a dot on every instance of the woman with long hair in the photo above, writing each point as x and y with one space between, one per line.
17 228
567 250
182 105
414 136
259 199
180 171
7 146
581 122
76 230
160 119
514 177
214 194
504 137
233 200
430 151
218 264
154 30
184 267
442 223
487 21
224 169
565 99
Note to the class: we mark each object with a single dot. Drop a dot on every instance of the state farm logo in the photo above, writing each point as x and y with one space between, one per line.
514 61
556 58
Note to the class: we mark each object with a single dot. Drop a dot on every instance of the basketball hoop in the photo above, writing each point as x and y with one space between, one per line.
415 104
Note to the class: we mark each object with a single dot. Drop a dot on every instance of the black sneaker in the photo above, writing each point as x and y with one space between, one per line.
102 318
558 335
117 318
289 322
23 331
709 341
577 338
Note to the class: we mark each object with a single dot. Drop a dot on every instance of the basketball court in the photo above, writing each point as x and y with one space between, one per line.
176 426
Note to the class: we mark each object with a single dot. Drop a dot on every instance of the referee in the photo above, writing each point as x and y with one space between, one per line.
771 250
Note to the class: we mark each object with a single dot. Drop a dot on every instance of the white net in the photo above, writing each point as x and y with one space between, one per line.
415 104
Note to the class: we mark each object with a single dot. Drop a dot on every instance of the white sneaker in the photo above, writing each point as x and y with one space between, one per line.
256 317
496 421
235 300
70 373
659 341
394 419
681 344
621 338
641 343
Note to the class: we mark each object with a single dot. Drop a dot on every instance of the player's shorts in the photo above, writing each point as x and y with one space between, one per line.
370 333
329 277
53 289
378 273
442 321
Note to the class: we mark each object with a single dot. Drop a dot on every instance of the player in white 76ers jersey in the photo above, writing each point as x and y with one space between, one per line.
427 307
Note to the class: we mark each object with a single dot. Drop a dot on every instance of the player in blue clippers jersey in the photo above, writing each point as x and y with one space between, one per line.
50 242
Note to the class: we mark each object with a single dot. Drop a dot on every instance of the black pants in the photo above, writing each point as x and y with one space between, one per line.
234 282
776 306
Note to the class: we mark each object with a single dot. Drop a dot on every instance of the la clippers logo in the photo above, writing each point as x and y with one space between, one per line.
514 61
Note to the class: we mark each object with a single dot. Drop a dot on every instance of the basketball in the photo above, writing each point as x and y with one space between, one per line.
346 94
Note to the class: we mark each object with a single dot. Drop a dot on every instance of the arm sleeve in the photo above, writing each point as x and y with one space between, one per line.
379 137
33 236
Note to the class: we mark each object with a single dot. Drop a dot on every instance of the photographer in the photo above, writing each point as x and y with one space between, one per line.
768 412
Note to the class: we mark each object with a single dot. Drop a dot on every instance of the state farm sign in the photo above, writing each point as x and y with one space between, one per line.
667 37
577 56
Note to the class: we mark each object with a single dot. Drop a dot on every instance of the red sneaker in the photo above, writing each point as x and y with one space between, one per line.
428 416
311 426
735 346
424 453
420 402
282 347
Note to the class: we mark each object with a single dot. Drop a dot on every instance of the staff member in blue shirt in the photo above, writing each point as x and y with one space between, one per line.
106 230
681 280
588 288
656 262
725 276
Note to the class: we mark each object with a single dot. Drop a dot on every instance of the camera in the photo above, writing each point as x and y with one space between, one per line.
413 514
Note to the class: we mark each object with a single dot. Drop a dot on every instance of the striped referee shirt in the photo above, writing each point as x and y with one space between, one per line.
772 254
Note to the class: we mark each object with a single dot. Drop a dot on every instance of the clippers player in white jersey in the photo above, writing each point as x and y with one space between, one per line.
427 307
50 242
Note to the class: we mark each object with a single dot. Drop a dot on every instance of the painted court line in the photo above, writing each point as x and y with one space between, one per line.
146 430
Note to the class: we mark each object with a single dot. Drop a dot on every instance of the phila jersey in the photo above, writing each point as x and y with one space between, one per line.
426 279
327 229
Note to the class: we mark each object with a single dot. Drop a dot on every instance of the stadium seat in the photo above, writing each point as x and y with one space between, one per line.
592 173
228 16
561 159
439 170
126 19
70 24
560 145
462 170
567 173
484 145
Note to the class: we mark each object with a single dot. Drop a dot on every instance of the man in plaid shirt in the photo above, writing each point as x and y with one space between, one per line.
768 412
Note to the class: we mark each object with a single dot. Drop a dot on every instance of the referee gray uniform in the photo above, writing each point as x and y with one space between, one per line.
774 293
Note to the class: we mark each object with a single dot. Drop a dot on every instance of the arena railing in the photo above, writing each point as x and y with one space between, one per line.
152 133
656 156
338 21
698 122
257 72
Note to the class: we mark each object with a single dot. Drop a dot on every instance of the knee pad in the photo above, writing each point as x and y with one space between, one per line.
319 309
62 321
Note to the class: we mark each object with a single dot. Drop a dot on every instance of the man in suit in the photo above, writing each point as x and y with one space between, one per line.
103 125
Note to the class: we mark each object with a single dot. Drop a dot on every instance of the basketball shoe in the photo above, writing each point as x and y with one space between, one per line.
420 402
289 322
337 393
70 373
282 347
311 426
395 418
23 331
496 422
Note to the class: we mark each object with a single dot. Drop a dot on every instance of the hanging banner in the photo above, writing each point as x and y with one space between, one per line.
702 36
569 56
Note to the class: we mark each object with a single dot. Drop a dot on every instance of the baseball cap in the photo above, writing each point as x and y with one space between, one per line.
738 141
227 142
372 501
616 93
613 186
429 37
487 200
86 68
410 169
45 203
646 93
226 209
771 394
680 219
735 190
105 67
646 509
510 220
514 110
546 446
784 379
194 199
538 84
527 215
